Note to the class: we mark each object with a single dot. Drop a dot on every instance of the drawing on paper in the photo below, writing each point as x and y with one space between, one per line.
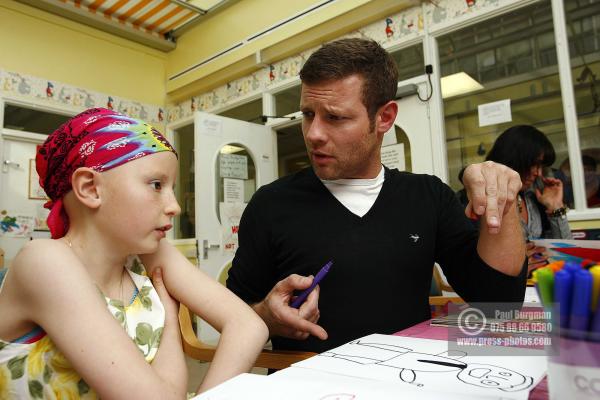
412 364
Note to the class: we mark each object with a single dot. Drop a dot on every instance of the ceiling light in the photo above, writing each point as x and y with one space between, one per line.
228 149
459 83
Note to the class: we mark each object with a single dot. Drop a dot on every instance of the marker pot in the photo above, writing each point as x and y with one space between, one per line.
574 366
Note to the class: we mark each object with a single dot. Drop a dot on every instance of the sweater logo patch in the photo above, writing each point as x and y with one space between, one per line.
414 237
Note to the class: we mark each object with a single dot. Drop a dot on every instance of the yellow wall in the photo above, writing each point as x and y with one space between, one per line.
40 44
245 18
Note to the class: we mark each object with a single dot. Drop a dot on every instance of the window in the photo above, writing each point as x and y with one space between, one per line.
249 112
288 101
583 29
509 63
236 177
29 120
409 61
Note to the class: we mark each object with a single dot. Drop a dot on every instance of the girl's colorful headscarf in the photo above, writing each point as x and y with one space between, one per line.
98 138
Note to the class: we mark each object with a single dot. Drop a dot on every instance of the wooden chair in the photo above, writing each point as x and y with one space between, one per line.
439 302
200 351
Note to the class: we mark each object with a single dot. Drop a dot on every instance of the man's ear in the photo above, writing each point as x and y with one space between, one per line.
386 116
85 184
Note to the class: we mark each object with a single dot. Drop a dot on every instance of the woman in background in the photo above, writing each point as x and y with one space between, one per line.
540 202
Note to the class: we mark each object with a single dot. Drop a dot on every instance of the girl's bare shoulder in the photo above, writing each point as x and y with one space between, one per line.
43 260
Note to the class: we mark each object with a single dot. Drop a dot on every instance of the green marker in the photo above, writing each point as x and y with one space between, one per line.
545 285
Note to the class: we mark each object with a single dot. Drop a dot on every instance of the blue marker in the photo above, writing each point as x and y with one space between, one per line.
580 301
318 278
563 291
571 267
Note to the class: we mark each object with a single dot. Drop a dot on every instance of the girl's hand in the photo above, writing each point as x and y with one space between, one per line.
552 196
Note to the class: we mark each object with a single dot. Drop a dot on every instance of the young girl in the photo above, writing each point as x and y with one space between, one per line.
77 323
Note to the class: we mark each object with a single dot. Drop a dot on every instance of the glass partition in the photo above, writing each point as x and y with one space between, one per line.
512 58
236 179
583 29
32 120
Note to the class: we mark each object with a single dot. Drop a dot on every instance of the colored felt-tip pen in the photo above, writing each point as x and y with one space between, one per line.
318 278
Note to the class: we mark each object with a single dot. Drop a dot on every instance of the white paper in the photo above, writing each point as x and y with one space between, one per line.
41 215
233 190
494 113
233 166
425 364
531 297
393 156
230 214
211 127
302 384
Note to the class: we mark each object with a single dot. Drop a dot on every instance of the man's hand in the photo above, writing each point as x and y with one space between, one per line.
286 321
492 189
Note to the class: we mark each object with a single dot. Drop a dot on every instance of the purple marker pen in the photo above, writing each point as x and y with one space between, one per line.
320 275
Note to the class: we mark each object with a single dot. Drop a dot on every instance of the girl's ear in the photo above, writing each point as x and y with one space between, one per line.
85 183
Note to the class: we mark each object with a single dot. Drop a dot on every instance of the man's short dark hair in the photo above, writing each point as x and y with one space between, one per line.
345 57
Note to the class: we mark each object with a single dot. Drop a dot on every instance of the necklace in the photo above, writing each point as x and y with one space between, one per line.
121 296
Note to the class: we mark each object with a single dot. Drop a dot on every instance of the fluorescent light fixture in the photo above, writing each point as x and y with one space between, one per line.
228 149
459 83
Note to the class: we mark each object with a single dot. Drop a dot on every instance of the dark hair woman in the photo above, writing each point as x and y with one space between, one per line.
540 202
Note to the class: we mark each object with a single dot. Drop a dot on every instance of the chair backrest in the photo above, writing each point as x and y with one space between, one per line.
440 280
224 274
198 350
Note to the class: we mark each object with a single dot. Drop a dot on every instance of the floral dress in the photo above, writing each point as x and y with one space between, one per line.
33 368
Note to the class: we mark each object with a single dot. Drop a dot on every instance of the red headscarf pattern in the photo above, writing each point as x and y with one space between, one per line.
97 138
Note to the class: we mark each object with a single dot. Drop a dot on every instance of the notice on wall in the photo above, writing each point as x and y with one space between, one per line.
233 190
230 214
41 215
16 225
211 127
494 113
393 156
233 166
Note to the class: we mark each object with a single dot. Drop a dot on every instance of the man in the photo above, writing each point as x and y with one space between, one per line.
383 229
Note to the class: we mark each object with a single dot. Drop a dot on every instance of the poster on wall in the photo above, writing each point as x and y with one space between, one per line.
35 190
41 215
230 214
233 166
393 156
233 190
494 113
16 225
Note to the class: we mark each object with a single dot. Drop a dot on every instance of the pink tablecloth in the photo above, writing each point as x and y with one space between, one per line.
425 331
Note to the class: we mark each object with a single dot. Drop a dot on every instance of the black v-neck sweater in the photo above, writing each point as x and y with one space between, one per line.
382 262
